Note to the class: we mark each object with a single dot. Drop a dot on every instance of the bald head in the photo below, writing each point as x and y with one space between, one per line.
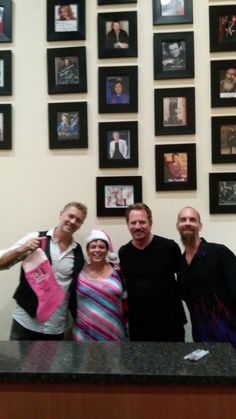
183 210
189 225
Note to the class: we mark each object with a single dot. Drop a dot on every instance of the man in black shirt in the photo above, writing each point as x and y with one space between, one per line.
148 263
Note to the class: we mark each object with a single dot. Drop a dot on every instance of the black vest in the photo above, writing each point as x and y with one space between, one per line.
27 299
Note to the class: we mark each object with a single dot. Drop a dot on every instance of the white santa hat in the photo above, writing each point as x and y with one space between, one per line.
99 234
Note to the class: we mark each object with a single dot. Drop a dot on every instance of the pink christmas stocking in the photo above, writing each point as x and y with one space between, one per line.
42 280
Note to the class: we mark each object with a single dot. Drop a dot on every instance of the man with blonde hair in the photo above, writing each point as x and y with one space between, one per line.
66 258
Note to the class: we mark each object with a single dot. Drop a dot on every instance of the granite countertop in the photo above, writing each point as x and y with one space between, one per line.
66 362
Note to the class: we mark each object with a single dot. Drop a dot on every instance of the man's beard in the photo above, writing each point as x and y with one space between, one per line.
188 240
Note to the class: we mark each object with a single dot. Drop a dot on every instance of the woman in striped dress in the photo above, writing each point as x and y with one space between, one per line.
99 291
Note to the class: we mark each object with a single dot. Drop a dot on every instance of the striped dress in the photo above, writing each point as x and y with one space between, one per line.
99 315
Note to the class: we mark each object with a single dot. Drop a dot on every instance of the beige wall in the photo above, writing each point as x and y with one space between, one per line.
36 182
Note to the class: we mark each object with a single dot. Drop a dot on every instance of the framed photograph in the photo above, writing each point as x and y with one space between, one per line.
68 126
222 22
118 144
5 21
223 139
65 20
222 188
223 83
166 12
116 1
115 194
5 127
5 73
173 55
118 89
175 167
117 34
175 111
67 70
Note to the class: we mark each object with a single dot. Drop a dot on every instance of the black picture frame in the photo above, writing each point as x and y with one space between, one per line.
115 193
174 111
222 28
68 125
222 96
223 139
63 29
102 2
108 46
67 70
5 73
125 78
175 167
222 197
5 126
164 15
173 55
127 153
5 20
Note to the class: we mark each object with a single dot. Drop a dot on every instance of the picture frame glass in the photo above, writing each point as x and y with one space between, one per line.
227 193
118 90
175 167
174 111
2 127
66 70
172 7
68 124
173 56
227 83
228 139
118 145
118 196
66 18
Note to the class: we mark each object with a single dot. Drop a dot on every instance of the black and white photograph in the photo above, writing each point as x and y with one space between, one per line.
222 188
67 70
223 139
173 55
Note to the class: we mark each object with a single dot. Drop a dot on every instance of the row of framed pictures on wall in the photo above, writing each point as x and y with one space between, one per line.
114 194
222 23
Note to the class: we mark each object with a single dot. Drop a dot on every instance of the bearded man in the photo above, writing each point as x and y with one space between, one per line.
207 279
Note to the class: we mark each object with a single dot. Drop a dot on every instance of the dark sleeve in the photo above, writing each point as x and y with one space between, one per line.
177 255
227 262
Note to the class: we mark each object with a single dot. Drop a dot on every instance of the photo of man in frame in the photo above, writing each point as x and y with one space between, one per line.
175 167
174 111
227 28
68 125
173 55
67 70
117 90
228 83
118 145
66 18
227 192
172 7
117 34
118 196
228 139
